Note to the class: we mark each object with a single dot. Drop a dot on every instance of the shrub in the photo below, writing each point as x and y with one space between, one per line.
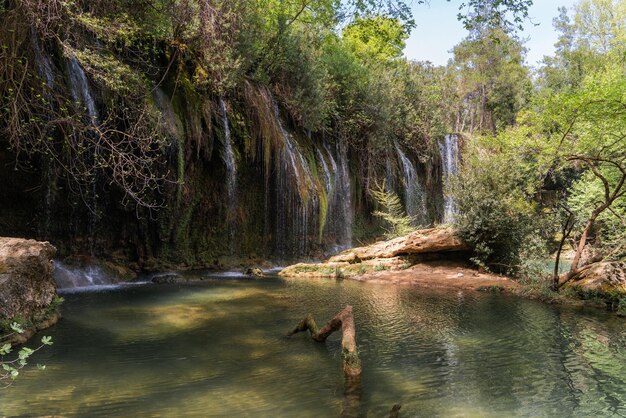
392 212
495 215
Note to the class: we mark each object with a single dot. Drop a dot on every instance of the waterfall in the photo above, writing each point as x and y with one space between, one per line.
168 115
72 277
231 175
328 176
229 160
295 194
81 93
449 151
42 61
44 68
413 194
344 199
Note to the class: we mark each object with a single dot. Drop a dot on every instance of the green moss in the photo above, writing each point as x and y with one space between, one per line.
34 320
380 267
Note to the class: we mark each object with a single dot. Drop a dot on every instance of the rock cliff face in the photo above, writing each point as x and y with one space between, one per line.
26 284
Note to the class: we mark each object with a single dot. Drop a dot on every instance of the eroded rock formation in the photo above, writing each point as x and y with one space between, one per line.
394 255
26 283
422 241
603 277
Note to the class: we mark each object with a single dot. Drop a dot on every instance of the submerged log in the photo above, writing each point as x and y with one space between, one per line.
351 363
395 411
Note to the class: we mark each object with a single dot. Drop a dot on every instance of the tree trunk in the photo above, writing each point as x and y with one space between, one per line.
351 363
581 245
565 232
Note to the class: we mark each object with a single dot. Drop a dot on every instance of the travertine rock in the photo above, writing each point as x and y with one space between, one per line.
26 283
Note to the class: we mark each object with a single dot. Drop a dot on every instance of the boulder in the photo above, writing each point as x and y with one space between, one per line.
423 241
26 284
254 272
603 278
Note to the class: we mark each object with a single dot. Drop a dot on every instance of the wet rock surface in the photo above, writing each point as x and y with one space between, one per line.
26 283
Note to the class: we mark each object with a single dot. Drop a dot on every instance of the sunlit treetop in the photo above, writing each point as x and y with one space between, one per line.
377 37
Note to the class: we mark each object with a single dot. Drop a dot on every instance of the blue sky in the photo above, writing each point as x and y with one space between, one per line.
438 30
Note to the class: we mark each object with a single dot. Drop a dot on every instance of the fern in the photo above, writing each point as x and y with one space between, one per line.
391 212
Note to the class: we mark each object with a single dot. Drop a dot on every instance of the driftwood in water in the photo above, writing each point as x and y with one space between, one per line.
345 321
351 364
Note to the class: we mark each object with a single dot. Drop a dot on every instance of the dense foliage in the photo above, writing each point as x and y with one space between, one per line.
540 148
566 147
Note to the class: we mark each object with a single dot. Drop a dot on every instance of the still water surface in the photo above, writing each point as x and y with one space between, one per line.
217 348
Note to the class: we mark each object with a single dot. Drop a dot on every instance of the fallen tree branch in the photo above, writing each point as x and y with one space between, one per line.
351 363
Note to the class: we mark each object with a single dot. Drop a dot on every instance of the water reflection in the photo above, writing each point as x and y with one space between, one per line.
218 349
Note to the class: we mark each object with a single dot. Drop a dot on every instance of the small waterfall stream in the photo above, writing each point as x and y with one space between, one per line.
413 193
449 151
328 178
81 93
344 199
229 160
228 156
42 61
68 277
44 68
295 194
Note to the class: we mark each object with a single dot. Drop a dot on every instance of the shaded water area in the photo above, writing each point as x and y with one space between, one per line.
217 348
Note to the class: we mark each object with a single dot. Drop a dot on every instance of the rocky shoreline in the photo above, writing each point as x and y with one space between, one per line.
434 257
438 258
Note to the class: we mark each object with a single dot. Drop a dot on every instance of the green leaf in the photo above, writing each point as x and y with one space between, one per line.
17 328
5 349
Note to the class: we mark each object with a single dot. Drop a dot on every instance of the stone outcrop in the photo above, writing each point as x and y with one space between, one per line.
603 278
394 255
26 284
423 241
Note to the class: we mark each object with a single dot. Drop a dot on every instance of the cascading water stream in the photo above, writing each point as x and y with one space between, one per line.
69 277
229 160
329 184
293 206
42 62
228 156
449 152
44 68
343 199
413 194
81 93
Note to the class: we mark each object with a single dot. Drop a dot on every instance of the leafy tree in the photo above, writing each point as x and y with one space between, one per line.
493 82
376 38
489 14
591 136
496 214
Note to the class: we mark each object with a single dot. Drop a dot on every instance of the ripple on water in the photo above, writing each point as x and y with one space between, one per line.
218 348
